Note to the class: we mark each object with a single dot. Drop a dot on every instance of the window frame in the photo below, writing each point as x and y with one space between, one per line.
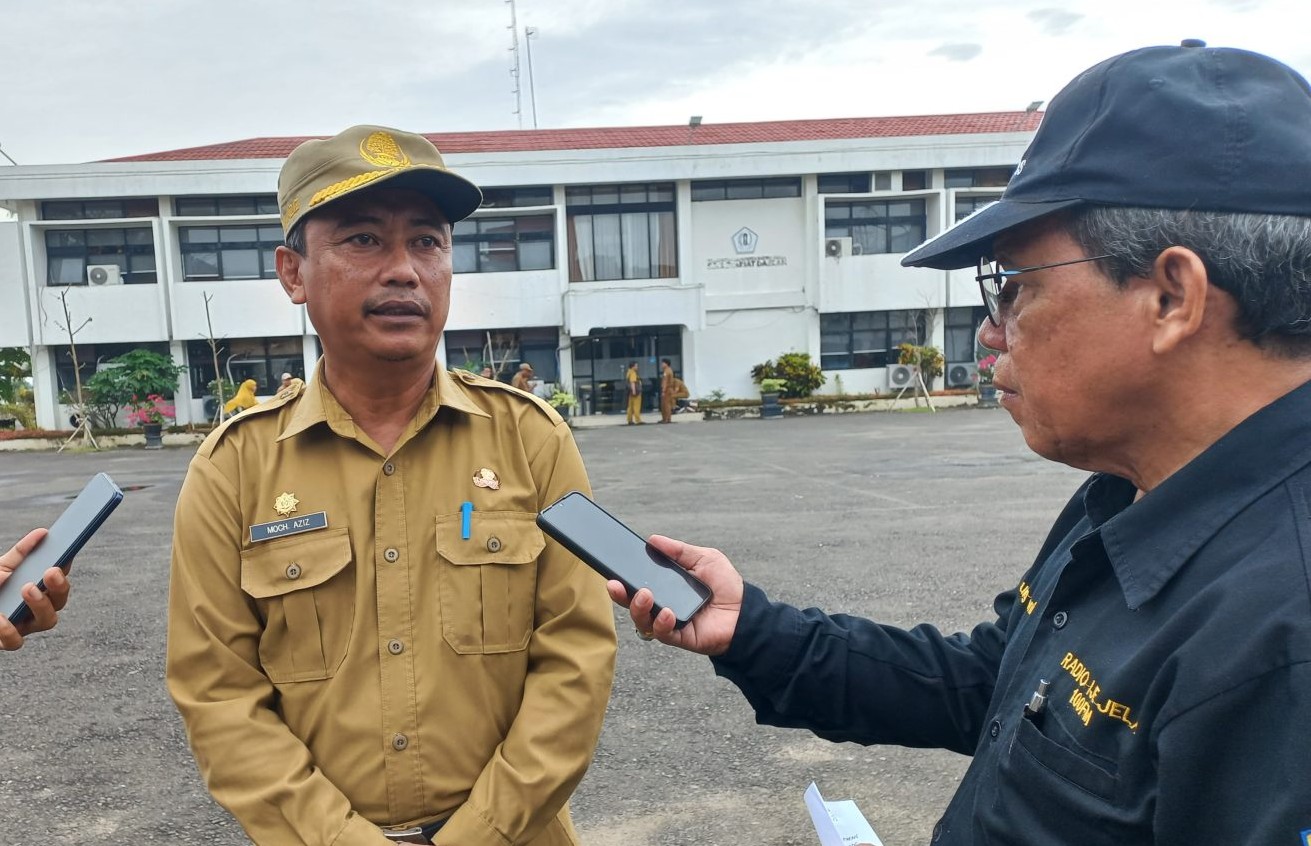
484 246
895 324
265 249
618 206
863 230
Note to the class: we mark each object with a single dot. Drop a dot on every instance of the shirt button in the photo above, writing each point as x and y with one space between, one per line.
388 469
391 554
293 571
1059 619
395 647
493 544
995 729
399 742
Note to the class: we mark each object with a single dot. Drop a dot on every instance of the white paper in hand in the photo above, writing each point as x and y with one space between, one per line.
839 823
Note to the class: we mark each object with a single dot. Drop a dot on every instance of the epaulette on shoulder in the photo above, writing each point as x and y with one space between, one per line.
273 403
475 381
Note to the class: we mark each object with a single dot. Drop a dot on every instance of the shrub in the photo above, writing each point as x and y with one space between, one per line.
802 375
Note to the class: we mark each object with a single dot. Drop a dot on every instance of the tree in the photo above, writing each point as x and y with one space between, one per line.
15 368
131 378
803 376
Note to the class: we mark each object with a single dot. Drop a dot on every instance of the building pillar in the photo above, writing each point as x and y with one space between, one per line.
182 398
45 390
309 351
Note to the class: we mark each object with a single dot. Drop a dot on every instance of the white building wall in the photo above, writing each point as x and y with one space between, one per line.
14 325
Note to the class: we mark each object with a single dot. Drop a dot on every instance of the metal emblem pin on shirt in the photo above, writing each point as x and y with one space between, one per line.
485 478
285 504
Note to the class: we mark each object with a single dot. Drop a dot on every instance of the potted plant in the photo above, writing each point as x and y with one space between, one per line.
769 391
987 393
927 358
562 401
150 415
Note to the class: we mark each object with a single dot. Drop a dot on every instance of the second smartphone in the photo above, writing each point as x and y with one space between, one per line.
616 552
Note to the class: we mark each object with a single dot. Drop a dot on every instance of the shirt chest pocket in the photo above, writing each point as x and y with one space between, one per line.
305 590
488 582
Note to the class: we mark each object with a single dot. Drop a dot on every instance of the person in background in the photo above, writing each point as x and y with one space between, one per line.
243 399
523 378
370 641
634 388
45 605
1147 279
667 391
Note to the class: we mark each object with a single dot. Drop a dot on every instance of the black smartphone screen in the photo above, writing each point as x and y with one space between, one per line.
616 552
64 538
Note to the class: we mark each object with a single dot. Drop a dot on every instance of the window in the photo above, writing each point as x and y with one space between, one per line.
915 180
966 206
746 189
982 177
498 198
70 251
883 181
472 349
90 358
225 205
229 252
960 327
488 244
844 183
863 339
876 226
261 359
99 209
621 232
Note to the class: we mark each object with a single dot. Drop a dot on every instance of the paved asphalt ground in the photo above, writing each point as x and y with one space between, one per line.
903 517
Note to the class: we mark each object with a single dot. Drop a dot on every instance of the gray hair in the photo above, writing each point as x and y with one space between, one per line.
295 239
1262 260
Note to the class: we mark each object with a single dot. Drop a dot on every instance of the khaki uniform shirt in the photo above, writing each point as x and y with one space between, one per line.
384 669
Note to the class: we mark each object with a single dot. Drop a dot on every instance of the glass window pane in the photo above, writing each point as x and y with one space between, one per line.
200 265
883 181
267 204
637 247
706 191
236 205
497 256
633 194
661 192
196 235
67 271
66 238
837 211
139 237
61 210
605 194
663 246
607 245
141 207
914 180
578 196
535 255
782 188
468 226
238 235
104 237
464 258
241 264
103 208
497 229
743 189
268 262
194 206
270 234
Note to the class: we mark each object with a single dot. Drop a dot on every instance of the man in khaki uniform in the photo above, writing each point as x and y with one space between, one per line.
666 391
634 386
368 635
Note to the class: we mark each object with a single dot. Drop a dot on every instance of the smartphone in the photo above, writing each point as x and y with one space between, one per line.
63 540
616 552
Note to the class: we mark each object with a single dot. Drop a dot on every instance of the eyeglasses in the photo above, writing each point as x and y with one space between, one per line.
992 278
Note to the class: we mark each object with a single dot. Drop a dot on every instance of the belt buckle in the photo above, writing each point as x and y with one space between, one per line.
413 834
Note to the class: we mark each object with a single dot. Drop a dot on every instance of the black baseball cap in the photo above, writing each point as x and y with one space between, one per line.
1187 127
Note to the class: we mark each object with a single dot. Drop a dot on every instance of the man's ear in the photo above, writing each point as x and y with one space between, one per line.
1180 285
288 263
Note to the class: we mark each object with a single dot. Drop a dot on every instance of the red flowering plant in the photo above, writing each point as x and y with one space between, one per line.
986 366
155 409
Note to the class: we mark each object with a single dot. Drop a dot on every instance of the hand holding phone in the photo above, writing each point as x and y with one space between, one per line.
65 537
616 552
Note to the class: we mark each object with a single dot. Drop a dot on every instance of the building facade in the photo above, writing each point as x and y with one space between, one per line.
716 246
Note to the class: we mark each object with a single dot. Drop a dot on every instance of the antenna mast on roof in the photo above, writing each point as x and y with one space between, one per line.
514 71
7 156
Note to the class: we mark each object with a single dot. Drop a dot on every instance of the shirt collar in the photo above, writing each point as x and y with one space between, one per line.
318 405
1148 541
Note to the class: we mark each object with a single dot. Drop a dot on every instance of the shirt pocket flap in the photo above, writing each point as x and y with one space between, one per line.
294 564
495 537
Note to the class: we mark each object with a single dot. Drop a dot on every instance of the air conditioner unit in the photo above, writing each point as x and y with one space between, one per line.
837 247
104 274
900 376
960 374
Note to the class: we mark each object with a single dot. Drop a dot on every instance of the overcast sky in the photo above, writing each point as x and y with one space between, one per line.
88 79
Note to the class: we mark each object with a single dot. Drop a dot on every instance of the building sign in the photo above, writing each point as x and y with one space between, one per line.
744 243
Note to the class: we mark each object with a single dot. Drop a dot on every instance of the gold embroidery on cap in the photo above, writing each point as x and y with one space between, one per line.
293 206
345 185
381 149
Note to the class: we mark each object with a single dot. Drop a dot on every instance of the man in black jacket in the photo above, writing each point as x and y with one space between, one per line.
1147 275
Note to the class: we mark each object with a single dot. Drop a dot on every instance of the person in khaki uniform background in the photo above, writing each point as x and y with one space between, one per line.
370 640
666 391
634 384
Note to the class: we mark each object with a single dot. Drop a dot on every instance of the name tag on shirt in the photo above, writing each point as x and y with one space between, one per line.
288 526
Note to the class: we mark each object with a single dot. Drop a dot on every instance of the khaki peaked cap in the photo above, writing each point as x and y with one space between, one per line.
323 170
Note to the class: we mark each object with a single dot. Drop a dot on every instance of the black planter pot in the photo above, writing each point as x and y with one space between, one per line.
769 407
154 435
